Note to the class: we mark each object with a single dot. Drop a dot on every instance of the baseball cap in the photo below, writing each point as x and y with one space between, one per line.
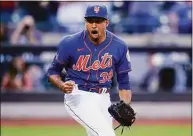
96 11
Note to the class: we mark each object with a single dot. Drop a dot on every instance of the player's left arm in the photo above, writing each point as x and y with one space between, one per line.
123 68
125 95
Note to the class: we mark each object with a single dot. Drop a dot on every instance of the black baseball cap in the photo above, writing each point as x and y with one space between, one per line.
99 11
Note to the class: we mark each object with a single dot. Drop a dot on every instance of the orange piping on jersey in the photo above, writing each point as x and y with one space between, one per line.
90 57
102 50
124 70
59 61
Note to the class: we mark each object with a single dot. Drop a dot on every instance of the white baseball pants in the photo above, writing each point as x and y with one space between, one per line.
91 111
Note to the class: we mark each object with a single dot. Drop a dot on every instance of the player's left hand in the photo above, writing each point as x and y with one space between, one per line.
123 113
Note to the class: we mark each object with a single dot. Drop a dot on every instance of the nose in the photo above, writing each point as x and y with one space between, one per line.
94 25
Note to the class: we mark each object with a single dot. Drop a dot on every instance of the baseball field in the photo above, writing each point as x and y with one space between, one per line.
59 127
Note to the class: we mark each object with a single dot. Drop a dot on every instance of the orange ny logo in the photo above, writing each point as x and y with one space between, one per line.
96 9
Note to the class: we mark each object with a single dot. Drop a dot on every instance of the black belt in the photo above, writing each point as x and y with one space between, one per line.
95 90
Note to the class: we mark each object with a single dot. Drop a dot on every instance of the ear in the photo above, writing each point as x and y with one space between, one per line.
107 23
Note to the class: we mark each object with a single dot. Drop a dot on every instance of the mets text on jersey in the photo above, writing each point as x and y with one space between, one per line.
83 61
81 65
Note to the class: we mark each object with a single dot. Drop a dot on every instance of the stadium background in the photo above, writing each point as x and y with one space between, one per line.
158 35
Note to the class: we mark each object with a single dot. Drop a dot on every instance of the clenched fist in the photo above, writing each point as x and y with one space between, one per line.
67 86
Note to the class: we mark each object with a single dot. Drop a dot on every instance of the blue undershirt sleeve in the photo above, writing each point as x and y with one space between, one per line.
123 81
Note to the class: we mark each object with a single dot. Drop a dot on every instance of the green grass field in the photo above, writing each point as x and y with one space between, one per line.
184 130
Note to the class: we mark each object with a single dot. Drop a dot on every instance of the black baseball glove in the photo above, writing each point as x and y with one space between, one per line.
123 113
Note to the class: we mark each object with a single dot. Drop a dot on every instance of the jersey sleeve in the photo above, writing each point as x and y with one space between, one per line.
60 60
122 69
62 54
124 64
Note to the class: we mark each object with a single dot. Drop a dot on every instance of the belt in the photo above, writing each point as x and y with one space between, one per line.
95 90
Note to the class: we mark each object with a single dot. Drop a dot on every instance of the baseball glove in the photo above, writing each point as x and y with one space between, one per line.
122 113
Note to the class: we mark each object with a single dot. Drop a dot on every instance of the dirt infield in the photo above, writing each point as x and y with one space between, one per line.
55 122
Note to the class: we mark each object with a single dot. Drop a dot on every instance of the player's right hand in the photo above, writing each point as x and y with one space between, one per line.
67 87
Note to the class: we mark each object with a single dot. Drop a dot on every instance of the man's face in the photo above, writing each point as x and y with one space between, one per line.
96 27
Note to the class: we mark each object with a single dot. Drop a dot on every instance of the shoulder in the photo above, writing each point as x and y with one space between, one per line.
118 42
70 40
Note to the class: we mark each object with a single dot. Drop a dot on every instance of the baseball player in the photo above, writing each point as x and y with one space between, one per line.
90 57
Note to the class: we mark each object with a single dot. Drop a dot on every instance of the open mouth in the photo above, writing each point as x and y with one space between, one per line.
94 33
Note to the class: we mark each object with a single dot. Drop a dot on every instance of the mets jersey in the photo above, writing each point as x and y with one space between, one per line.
88 65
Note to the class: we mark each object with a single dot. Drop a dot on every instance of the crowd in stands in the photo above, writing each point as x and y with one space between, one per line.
165 17
134 17
22 23
26 33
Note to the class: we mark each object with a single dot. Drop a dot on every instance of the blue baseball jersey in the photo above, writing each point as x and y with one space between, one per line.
88 65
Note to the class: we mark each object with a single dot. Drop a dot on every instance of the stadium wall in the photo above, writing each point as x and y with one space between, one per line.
145 110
